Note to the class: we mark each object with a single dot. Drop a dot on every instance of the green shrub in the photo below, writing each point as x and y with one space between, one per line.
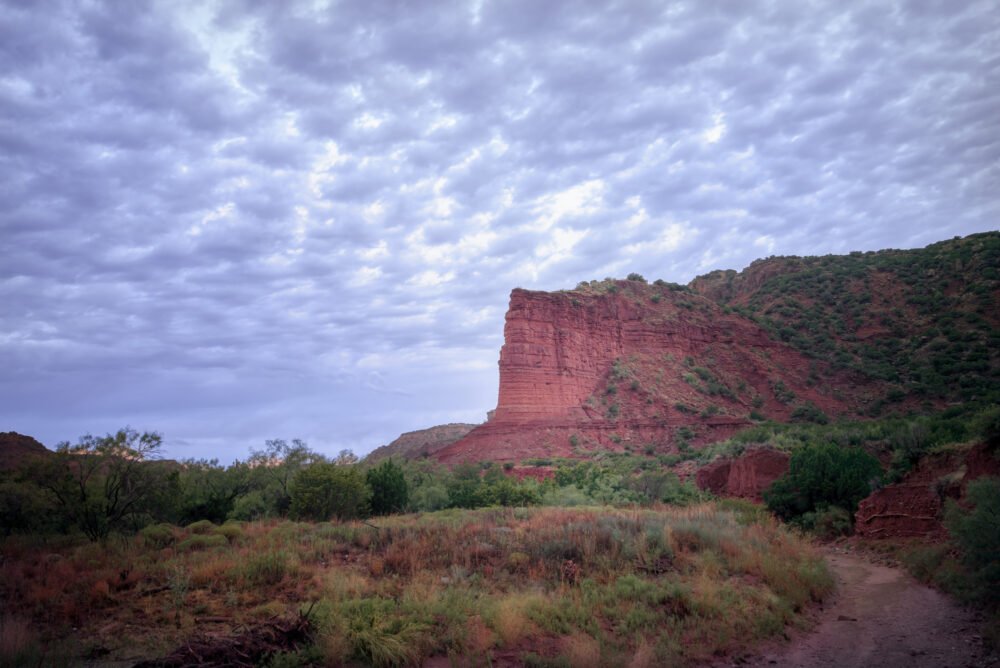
977 532
808 412
201 526
323 491
379 635
268 568
389 491
158 535
830 522
202 542
822 475
231 531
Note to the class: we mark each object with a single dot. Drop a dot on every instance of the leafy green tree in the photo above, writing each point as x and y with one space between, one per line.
823 475
276 466
463 486
107 484
389 490
209 491
24 507
324 491
977 532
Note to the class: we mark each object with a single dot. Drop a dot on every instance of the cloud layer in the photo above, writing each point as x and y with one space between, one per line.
255 220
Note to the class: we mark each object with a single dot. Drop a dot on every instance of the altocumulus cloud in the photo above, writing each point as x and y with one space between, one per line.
236 221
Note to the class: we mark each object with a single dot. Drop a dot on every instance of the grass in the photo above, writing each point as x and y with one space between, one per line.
544 586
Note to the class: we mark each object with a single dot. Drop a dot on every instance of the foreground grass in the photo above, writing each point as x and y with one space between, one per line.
544 586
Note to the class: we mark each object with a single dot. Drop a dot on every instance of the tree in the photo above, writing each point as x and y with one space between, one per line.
326 490
209 490
977 532
820 476
277 465
105 484
463 486
389 491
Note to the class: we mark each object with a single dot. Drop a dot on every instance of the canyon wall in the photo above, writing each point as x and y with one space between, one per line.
623 366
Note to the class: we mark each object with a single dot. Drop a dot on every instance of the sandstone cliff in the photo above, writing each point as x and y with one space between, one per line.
746 476
627 366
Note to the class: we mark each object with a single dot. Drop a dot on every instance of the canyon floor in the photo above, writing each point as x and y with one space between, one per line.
880 617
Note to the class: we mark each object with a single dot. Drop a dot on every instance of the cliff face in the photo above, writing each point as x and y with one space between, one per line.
628 366
913 508
746 476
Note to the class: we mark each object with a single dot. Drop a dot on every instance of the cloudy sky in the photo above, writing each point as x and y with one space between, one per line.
237 221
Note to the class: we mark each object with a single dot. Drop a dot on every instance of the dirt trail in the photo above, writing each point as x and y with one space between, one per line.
881 617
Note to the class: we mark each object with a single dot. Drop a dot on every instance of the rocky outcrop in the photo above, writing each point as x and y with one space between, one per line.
15 449
421 443
626 366
746 476
913 508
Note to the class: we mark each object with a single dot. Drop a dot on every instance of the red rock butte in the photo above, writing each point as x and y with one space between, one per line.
623 365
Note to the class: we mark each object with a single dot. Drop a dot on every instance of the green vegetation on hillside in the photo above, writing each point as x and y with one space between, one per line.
923 321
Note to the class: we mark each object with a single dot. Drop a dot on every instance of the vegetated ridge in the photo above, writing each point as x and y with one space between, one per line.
628 366
16 449
421 443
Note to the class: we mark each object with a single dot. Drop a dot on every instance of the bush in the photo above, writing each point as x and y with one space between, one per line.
158 535
267 569
808 412
429 497
977 532
230 531
830 522
201 526
202 542
323 491
389 491
823 475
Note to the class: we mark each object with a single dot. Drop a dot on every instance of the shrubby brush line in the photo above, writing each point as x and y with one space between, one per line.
541 586
118 484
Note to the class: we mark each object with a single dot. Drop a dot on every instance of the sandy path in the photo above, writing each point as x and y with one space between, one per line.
881 617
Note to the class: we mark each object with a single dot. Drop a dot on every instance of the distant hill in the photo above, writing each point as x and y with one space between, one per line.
421 443
15 449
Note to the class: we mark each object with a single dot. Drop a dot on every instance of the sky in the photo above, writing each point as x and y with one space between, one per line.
237 221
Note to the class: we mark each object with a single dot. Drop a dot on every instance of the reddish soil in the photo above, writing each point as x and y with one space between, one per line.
880 617
746 476
913 508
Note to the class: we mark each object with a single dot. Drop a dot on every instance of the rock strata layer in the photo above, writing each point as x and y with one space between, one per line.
626 366
746 476
914 507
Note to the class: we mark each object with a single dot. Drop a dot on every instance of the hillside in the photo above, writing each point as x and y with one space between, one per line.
628 366
16 449
420 443
924 322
